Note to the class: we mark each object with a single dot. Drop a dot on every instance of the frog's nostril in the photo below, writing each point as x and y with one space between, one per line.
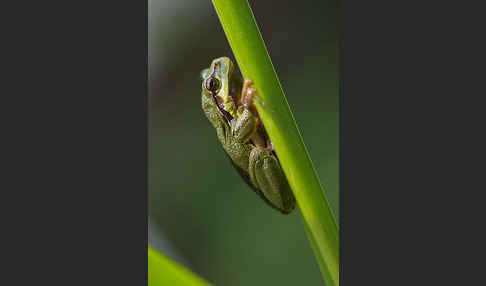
204 73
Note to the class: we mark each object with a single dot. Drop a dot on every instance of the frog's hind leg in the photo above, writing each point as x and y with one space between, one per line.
268 177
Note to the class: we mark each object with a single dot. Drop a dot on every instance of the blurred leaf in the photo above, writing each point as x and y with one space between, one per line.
162 271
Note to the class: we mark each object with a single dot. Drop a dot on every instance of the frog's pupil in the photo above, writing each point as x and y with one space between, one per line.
212 84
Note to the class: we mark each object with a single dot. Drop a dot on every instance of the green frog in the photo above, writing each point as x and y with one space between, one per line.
227 102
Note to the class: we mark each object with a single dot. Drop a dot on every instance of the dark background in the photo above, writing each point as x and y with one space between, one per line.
200 212
74 188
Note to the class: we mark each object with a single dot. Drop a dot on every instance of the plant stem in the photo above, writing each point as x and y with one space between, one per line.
254 62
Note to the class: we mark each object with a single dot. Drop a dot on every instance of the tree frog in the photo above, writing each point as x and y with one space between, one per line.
227 102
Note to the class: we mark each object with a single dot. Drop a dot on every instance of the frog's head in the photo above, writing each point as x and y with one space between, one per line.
215 83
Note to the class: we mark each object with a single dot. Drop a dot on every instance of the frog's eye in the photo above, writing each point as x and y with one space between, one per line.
212 84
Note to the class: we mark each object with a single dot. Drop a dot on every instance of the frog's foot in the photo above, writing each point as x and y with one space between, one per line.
247 94
268 177
270 146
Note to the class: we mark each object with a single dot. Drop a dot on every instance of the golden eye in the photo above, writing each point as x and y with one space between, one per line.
212 84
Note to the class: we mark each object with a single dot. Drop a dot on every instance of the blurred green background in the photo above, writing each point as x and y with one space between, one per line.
200 212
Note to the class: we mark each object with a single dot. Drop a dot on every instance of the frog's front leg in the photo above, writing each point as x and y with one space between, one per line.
247 121
268 177
244 125
247 93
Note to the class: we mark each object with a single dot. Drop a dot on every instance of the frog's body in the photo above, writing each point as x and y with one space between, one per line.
227 103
